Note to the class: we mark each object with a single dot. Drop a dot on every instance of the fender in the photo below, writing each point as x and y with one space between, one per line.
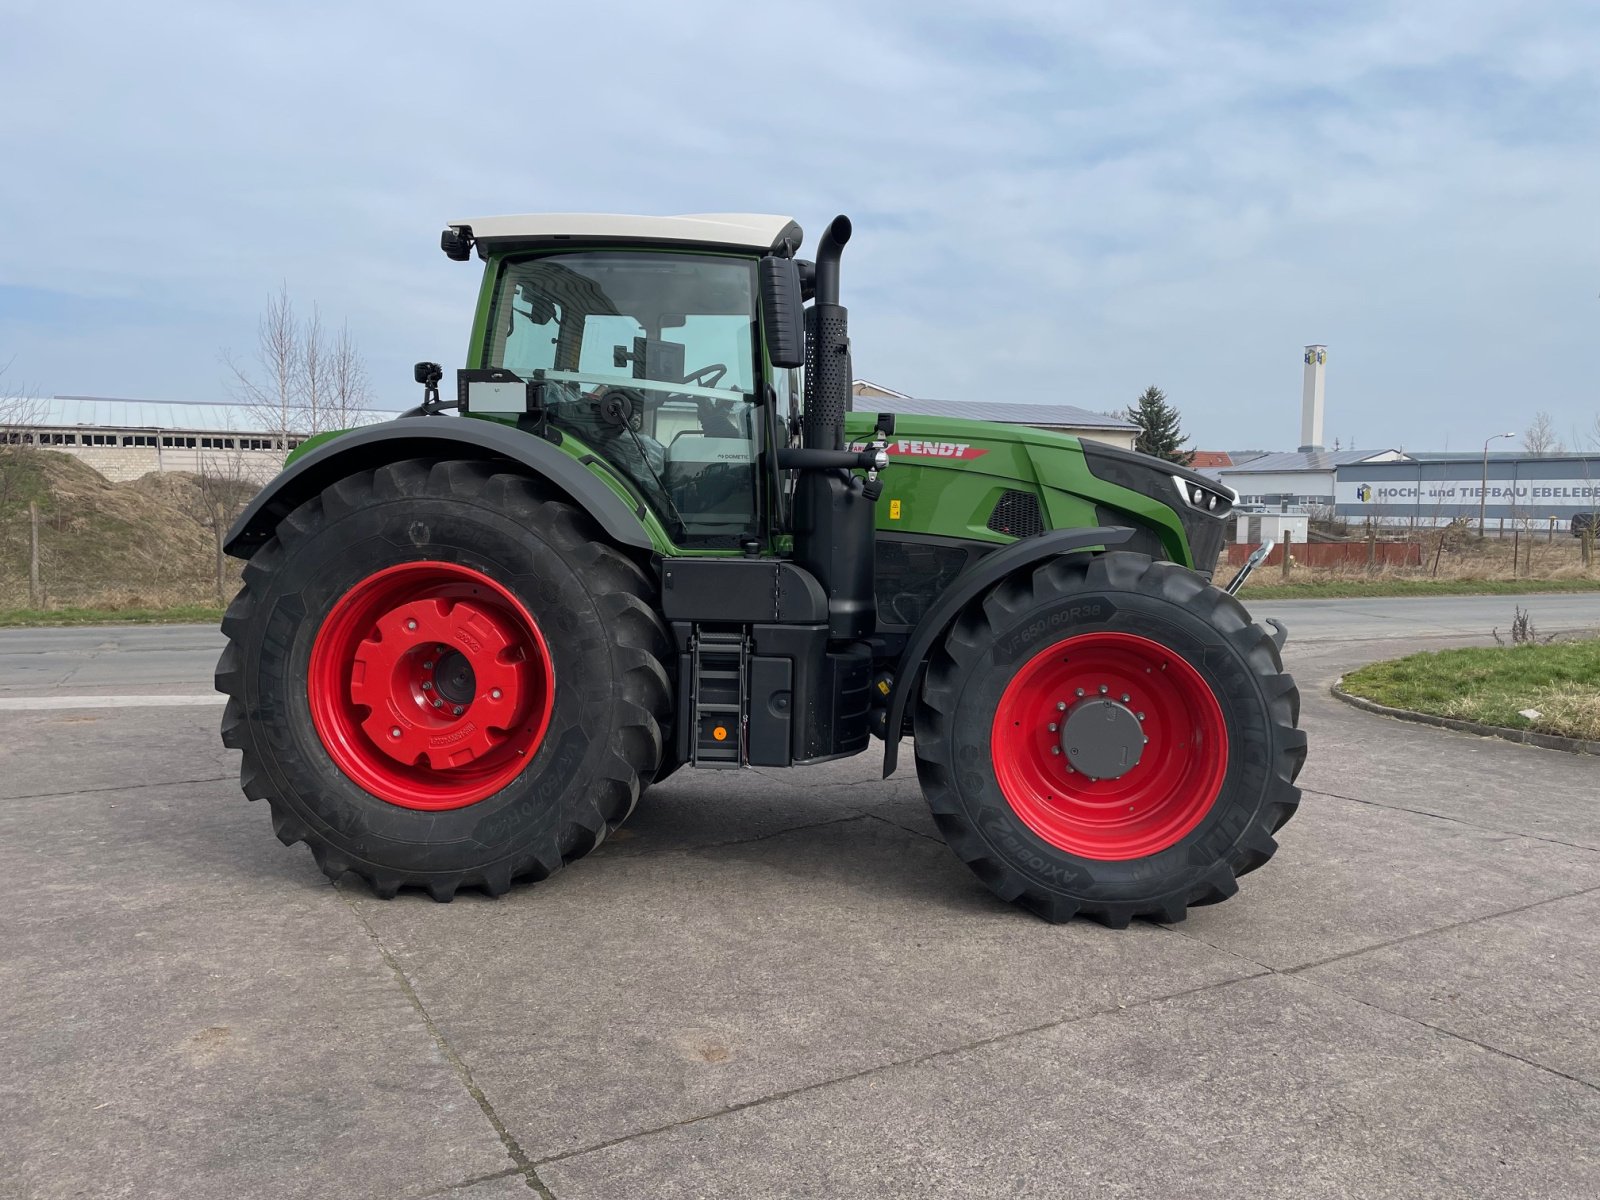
987 571
373 446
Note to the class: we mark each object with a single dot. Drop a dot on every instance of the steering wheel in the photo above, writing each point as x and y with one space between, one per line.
715 370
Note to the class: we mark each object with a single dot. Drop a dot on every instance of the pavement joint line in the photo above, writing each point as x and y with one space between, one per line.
761 837
524 1165
1450 1033
121 787
1450 928
1422 812
55 703
904 828
1409 937
914 1061
466 1183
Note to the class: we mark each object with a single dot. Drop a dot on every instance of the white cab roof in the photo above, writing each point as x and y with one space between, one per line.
745 231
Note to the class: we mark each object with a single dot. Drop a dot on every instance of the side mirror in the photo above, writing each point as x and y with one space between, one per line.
782 312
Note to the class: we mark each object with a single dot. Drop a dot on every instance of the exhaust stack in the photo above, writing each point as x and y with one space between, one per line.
833 530
828 347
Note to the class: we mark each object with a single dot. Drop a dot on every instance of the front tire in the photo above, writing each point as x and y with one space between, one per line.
1109 736
440 675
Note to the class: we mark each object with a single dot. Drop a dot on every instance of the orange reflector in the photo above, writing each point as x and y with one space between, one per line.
720 733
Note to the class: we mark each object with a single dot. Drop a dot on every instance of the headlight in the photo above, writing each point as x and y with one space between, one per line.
1214 498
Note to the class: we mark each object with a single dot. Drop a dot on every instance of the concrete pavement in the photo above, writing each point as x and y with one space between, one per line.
783 984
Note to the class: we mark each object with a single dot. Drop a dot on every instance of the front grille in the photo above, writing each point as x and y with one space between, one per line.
1017 513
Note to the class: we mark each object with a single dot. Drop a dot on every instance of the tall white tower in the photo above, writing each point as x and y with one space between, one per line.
1311 399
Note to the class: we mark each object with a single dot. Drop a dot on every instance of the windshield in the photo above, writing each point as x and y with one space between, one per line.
650 359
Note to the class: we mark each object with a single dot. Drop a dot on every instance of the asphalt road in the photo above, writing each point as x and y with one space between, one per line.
783 984
163 659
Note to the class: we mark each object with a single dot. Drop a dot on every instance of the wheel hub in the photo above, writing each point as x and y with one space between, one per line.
442 721
1109 745
430 685
453 678
1103 738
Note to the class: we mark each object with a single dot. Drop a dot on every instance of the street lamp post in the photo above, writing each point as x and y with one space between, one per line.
1483 496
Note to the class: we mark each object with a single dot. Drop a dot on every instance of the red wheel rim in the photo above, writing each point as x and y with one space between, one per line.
430 685
1160 798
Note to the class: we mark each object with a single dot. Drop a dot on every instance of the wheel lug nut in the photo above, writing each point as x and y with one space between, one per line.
1104 689
426 686
438 703
458 710
495 694
427 666
1124 697
411 624
1055 749
1061 705
1051 727
395 732
1080 691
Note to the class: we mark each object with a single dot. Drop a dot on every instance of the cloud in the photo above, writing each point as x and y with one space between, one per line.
1052 201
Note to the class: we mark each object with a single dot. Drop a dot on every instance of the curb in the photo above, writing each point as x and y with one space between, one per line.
1527 737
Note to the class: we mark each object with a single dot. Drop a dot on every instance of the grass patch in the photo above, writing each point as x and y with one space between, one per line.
1559 680
179 614
1356 586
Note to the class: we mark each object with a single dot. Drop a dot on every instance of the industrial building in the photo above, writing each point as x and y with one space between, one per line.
1523 491
1303 479
124 439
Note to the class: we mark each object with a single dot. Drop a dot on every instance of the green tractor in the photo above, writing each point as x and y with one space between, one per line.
640 539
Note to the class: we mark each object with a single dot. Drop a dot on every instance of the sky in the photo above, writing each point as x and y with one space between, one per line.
1053 202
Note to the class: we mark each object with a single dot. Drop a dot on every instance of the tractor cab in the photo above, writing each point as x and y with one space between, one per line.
642 339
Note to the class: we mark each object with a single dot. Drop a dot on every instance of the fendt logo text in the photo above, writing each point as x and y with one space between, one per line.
914 449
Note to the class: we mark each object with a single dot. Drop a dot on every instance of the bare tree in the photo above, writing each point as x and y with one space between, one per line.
313 371
274 390
1541 439
349 393
303 380
21 411
223 487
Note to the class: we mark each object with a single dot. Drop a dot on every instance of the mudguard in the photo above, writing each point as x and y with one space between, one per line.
373 446
987 571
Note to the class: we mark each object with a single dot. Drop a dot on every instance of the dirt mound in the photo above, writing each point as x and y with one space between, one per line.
147 543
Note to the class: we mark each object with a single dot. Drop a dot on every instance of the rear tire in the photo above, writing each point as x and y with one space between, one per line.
1175 679
564 634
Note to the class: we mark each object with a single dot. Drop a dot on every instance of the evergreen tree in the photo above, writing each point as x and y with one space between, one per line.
1159 431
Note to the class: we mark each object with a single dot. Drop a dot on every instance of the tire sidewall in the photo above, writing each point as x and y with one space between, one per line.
320 568
1246 784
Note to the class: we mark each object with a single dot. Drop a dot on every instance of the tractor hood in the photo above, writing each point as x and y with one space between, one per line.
983 481
959 438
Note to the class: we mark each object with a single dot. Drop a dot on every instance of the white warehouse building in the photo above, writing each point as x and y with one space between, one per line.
124 439
1303 479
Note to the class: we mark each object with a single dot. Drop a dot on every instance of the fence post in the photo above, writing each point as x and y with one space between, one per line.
1516 545
1372 548
1586 542
35 592
221 560
1288 544
1551 536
